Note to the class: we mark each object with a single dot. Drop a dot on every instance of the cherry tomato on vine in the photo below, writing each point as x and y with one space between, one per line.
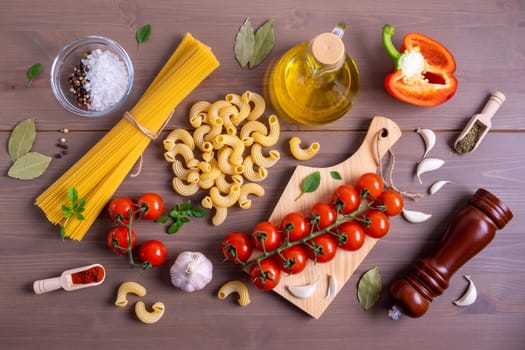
379 223
392 201
324 213
265 275
119 209
371 182
152 251
351 235
153 205
293 260
296 225
346 199
322 248
266 236
118 239
237 247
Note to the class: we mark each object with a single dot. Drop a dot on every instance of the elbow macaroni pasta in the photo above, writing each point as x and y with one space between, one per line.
146 316
224 153
303 153
235 287
128 288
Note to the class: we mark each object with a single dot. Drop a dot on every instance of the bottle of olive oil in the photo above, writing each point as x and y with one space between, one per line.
315 82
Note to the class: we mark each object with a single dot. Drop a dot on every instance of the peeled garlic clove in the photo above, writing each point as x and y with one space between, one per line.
470 295
415 217
428 164
436 186
430 139
303 292
332 287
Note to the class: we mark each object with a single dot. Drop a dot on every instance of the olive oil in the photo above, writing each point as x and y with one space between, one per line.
315 82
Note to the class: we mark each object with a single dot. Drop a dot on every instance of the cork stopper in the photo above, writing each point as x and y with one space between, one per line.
328 49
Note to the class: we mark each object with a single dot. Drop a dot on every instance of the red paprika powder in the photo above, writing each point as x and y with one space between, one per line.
91 275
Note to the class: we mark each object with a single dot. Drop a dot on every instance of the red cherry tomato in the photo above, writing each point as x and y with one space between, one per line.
351 236
379 223
371 182
296 225
265 275
266 236
346 199
118 239
392 201
119 209
153 251
322 248
293 260
324 214
237 247
153 205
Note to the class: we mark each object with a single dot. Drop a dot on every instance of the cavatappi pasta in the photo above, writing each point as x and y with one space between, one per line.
98 174
229 137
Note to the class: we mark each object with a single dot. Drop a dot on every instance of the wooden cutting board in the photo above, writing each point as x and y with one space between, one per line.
365 159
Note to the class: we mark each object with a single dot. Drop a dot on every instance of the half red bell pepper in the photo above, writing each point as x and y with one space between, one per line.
424 74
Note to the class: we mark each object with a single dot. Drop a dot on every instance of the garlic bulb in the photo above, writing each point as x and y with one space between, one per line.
430 139
191 271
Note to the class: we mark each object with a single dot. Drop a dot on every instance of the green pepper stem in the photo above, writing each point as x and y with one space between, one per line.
388 32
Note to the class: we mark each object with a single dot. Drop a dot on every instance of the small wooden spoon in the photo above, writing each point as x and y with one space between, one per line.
65 281
480 124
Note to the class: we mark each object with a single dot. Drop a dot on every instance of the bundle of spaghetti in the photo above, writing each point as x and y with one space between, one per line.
98 174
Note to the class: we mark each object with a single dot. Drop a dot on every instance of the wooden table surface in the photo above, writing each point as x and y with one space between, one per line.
486 38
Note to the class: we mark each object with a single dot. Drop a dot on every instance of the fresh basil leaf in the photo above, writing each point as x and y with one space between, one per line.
264 40
33 72
21 139
244 43
310 183
31 165
369 288
72 195
143 34
198 213
162 219
336 175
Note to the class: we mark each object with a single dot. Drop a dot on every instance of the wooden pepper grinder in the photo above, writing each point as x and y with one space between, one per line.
468 233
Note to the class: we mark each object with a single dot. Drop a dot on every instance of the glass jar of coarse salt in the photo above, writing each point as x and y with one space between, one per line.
92 76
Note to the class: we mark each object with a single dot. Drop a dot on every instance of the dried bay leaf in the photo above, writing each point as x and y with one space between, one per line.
244 43
264 40
369 288
31 165
21 139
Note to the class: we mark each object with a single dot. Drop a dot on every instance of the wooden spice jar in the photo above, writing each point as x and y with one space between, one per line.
467 234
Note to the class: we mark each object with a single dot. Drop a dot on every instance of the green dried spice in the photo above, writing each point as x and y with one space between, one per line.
143 34
369 288
244 43
264 39
31 165
33 72
467 143
251 48
310 183
21 139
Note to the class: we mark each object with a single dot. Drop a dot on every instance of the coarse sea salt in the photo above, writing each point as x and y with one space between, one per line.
106 79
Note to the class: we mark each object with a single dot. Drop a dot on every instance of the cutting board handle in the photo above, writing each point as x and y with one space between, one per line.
380 137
